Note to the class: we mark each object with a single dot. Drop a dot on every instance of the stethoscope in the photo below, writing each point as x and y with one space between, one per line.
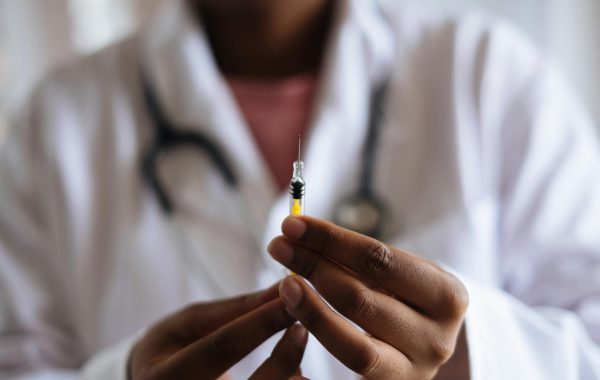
362 211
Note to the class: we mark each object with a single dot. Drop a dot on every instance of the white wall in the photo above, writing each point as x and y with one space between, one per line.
572 35
567 31
38 34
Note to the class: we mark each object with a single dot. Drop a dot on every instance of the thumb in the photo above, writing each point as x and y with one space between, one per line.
286 357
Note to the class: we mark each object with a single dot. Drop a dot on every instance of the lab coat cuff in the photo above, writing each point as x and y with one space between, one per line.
490 316
112 362
474 328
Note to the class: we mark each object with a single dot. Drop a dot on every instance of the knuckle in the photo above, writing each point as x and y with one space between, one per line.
312 318
245 300
454 299
440 350
330 235
378 258
359 302
277 322
221 347
307 267
366 360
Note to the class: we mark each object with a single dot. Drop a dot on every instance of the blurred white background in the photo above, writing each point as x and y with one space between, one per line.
38 34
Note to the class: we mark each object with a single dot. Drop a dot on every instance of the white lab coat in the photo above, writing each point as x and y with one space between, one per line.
486 160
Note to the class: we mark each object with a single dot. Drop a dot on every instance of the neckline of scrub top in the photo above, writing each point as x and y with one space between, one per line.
276 112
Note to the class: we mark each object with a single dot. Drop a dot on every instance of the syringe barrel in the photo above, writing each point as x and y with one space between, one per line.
297 189
296 206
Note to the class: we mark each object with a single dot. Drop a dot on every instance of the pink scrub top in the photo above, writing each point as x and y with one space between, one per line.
276 112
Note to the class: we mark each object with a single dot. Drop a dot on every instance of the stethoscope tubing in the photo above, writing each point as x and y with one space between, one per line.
168 137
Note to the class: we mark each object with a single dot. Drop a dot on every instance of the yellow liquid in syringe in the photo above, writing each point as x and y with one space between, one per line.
296 208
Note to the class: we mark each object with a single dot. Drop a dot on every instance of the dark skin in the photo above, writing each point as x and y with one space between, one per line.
411 310
264 38
204 340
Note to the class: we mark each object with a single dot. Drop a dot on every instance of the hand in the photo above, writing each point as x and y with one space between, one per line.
410 309
204 340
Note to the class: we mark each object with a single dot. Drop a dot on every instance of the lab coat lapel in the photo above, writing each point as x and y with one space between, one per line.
359 57
194 95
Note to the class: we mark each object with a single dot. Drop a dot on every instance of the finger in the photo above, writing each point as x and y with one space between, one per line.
365 355
200 319
286 356
212 355
419 282
382 316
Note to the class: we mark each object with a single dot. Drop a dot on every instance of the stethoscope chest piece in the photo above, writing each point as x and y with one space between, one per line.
363 211
364 214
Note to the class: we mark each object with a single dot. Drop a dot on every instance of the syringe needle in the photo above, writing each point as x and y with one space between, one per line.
299 144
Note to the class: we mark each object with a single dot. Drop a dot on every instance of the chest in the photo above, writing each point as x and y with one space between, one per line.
133 264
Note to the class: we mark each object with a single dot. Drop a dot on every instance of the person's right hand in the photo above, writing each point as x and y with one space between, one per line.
204 340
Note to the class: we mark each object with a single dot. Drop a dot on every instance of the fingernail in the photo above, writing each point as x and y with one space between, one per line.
281 251
293 227
299 334
290 292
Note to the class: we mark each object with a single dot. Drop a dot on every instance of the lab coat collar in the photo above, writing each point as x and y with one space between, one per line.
193 93
359 58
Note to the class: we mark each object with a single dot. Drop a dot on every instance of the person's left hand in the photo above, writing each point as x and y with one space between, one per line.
411 310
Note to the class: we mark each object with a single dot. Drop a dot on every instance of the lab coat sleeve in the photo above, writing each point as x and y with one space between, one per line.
36 339
111 363
508 339
38 333
545 324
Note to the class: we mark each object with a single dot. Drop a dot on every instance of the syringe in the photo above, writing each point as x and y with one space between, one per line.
297 186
